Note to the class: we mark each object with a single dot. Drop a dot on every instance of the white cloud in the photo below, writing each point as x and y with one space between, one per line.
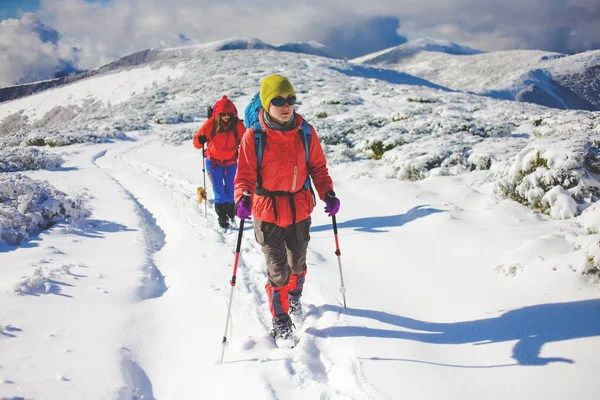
104 31
30 51
123 26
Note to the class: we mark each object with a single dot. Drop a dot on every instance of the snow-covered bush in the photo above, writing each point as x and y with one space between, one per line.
56 117
29 206
13 123
172 117
41 280
588 243
59 138
17 159
179 136
550 176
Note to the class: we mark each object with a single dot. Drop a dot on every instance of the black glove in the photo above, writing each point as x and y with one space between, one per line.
202 139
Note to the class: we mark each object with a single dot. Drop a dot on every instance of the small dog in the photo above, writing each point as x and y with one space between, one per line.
201 193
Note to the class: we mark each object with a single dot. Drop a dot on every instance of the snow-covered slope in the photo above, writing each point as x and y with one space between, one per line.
399 54
468 230
545 78
177 53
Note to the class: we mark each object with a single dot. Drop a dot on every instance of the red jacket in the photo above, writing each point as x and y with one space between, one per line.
283 168
223 147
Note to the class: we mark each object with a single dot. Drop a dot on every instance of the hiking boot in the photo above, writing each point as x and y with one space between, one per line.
295 306
222 215
230 211
282 328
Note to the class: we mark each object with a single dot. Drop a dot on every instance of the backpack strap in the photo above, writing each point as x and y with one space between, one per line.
306 137
259 147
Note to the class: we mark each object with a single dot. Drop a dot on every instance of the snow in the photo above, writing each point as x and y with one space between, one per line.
541 77
454 289
113 88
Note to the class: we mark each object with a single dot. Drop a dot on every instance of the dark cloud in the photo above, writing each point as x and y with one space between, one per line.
371 35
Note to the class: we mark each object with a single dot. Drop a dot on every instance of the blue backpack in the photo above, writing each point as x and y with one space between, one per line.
251 120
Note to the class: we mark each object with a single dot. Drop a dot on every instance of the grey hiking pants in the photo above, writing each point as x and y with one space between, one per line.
284 249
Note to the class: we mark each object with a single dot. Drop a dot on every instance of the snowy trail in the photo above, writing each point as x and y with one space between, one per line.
168 201
409 267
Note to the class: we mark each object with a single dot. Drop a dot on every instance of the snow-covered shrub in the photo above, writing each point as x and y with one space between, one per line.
41 280
589 244
57 116
378 148
29 206
129 125
341 153
172 117
179 136
59 138
420 158
345 99
546 172
479 161
13 123
17 159
37 282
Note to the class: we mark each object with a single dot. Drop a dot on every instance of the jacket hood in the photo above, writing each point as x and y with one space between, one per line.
224 106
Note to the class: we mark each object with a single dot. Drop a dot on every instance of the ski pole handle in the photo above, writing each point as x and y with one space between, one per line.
246 201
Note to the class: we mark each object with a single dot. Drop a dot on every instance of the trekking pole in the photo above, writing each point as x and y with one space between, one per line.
246 200
338 253
204 178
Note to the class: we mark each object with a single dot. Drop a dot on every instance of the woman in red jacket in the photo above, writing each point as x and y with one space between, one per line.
222 132
281 202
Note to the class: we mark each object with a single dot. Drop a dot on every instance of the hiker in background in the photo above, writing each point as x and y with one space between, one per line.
282 198
222 133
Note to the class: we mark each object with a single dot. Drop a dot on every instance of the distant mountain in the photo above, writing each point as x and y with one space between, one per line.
65 76
546 78
314 48
397 54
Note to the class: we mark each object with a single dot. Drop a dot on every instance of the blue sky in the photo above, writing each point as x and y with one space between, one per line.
102 30
14 9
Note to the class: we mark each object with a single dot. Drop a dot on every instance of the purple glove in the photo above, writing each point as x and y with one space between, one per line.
244 211
333 204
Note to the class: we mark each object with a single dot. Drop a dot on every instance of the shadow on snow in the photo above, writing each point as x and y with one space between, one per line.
377 224
92 229
388 75
531 326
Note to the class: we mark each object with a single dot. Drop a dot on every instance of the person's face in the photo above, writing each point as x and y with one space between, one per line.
226 117
284 112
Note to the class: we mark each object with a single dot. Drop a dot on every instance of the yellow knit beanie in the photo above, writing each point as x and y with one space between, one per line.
273 86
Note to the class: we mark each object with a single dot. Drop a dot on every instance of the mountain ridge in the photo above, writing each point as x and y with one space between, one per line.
153 54
546 78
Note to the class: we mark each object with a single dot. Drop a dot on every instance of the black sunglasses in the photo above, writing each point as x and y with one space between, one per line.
227 115
280 101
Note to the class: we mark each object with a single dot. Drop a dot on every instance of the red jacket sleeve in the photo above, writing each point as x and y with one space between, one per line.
318 166
205 129
245 177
